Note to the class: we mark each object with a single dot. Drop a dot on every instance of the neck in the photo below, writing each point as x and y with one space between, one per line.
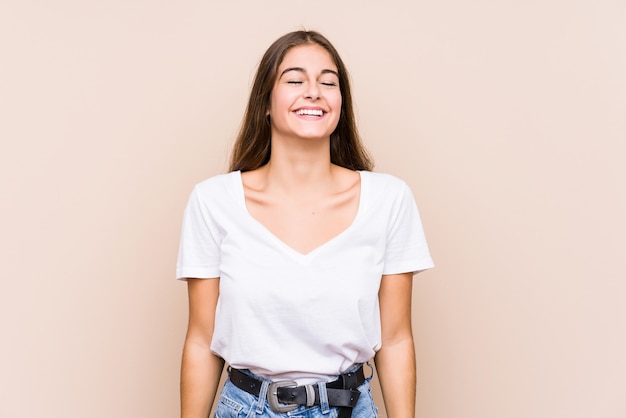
302 167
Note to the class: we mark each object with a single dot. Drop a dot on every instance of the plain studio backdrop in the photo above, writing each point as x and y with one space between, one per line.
506 118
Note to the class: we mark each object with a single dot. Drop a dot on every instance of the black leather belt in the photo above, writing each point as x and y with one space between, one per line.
285 395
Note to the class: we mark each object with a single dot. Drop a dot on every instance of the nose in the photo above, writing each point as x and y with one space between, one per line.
312 91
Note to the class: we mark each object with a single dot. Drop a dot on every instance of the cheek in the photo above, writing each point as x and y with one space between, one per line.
338 102
336 99
280 101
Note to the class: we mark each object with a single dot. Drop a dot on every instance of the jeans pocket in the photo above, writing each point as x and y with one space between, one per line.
227 408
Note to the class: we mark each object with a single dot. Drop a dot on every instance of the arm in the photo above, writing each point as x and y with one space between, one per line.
201 369
395 361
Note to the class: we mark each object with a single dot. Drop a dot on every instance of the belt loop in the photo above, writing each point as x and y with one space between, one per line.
262 395
324 406
371 369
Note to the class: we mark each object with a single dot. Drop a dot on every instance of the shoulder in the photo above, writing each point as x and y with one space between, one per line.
217 185
382 183
216 197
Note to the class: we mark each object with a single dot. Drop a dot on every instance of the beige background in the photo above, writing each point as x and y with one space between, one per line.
506 118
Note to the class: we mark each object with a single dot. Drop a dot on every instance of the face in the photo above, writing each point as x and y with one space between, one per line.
306 98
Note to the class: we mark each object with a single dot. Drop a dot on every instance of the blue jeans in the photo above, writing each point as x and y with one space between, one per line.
236 403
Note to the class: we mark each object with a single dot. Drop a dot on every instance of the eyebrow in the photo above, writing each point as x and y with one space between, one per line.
302 70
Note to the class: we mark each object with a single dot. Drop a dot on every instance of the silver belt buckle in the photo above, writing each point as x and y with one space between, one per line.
272 396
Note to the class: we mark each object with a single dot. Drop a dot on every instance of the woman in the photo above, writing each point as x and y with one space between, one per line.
309 257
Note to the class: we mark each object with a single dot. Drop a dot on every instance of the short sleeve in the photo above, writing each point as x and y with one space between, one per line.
407 250
199 254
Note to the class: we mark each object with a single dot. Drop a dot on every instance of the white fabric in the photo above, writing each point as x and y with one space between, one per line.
285 315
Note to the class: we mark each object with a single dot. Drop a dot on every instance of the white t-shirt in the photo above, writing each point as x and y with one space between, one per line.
287 315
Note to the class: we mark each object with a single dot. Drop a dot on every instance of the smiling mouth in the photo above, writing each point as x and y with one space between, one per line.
310 112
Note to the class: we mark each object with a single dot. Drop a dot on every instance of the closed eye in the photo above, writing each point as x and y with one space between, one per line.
294 82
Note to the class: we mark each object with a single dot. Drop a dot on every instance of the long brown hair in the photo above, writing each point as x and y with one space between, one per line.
253 145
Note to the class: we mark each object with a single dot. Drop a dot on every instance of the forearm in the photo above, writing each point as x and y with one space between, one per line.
199 380
395 366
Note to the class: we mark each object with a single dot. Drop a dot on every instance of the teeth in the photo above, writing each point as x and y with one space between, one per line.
310 112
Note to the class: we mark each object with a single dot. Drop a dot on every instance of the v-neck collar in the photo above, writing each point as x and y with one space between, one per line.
302 257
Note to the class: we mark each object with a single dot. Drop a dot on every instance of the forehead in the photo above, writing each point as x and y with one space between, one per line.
310 57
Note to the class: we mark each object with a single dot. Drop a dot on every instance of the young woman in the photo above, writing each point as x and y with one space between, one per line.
299 261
